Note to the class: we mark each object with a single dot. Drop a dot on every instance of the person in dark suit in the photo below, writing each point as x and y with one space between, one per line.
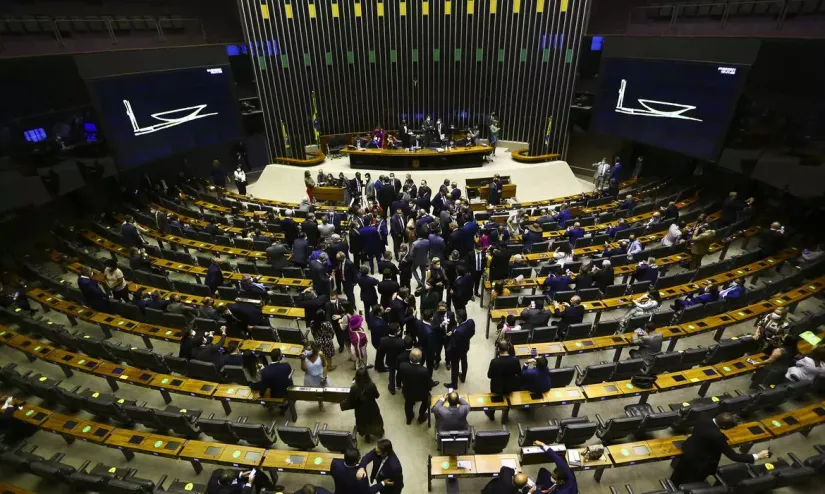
398 230
703 449
476 263
462 289
207 309
387 288
385 196
319 275
335 310
534 317
386 475
94 296
494 194
604 276
310 227
214 276
507 482
368 285
386 263
347 275
645 271
161 225
371 244
562 480
416 384
276 253
461 337
131 233
275 377
289 227
504 373
344 473
301 251
13 429
356 187
773 240
226 481
573 313
556 283
240 316
210 352
389 348
731 207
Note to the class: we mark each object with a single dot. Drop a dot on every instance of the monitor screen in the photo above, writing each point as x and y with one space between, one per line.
35 135
155 114
682 106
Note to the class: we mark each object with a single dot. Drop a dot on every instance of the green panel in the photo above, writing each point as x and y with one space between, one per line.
523 56
284 61
350 57
415 55
262 62
501 54
479 54
545 57
372 56
328 56
307 59
458 54
569 56
393 56
436 54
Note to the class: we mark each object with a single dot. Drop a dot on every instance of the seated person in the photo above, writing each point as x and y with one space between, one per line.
808 367
251 285
734 290
12 429
394 143
772 370
561 481
175 306
275 377
616 251
628 204
620 225
702 297
207 310
574 233
534 317
375 143
152 300
556 283
645 271
649 341
226 481
535 376
563 215
451 414
573 313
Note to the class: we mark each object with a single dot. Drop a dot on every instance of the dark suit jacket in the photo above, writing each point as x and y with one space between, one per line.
214 277
494 195
503 484
311 229
344 478
371 241
382 265
210 352
701 453
604 278
571 315
276 378
415 379
463 289
391 470
131 237
462 335
161 222
94 295
277 255
504 372
213 487
320 277
301 251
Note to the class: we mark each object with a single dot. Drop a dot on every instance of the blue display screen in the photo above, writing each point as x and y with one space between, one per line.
681 106
155 114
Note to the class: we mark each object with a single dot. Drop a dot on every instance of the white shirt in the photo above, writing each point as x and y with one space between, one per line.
240 176
755 457
635 248
673 235
602 169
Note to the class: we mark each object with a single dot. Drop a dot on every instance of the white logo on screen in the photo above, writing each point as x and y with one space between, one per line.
166 120
727 70
653 108
215 71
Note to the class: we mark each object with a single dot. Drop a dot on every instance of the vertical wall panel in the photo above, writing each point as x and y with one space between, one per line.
376 62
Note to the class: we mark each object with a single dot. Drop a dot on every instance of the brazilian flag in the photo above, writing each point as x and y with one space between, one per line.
316 124
286 138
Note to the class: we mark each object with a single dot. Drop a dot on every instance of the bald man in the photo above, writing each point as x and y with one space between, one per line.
507 482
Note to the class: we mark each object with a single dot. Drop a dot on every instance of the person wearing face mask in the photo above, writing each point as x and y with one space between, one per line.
424 196
771 328
733 291
561 480
386 475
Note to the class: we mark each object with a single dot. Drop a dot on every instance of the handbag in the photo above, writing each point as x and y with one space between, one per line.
346 405
644 382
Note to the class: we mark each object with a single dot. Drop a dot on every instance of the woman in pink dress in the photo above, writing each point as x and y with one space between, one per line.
484 240
358 340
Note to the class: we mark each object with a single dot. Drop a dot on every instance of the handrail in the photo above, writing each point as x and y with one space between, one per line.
523 156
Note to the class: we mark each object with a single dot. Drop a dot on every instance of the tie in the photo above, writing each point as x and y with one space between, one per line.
478 261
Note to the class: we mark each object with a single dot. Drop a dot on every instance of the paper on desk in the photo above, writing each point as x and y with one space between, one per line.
811 338
508 462
464 465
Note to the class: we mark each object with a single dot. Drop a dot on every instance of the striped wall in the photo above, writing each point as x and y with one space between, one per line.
374 62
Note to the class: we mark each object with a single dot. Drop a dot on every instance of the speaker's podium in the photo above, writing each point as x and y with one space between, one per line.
329 194
402 159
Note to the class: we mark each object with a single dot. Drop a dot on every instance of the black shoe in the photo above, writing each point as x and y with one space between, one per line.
434 384
392 391
368 438
382 370
422 419
463 377
370 366
340 349
450 386
490 414
409 421
447 366
436 365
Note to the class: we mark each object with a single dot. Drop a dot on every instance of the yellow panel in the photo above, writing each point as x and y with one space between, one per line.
265 11
425 8
288 10
448 7
358 9
312 12
335 11
471 6
380 9
516 6
563 6
402 8
493 6
540 6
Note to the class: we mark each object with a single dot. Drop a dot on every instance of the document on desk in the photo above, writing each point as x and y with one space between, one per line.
464 465
508 462
574 458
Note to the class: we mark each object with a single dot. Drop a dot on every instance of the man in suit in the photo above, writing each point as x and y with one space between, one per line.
344 473
211 352
175 306
396 183
451 413
161 225
649 341
730 209
310 228
574 233
507 482
604 276
275 377
371 244
494 194
773 240
386 475
94 296
573 313
301 251
561 481
629 204
504 373
416 384
346 274
420 256
476 265
386 357
437 245
319 275
241 316
462 334
385 196
335 310
703 449
276 253
563 215
356 187
534 317
207 309
398 230
556 283
462 289
700 246
131 233
214 276
226 481
645 271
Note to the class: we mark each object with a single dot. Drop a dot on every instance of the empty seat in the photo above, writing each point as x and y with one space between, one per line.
490 442
547 434
218 429
237 374
518 337
617 428
562 376
107 410
578 331
337 441
544 334
147 359
691 357
575 431
143 415
290 335
594 373
299 437
663 362
182 422
254 433
626 369
206 371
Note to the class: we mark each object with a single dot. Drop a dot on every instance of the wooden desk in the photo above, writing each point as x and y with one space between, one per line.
10 489
632 453
801 419
231 455
749 432
329 194
129 441
309 462
72 428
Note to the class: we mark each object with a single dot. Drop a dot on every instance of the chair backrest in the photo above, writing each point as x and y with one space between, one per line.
564 296
617 428
147 359
337 441
178 365
589 294
218 429
506 302
179 422
578 331
236 374
547 434
203 324
659 421
143 415
614 291
663 362
692 357
297 437
263 333
207 371
290 335
256 434
228 292
735 404
626 369
596 373
518 337
606 328
577 433
545 334
725 350
490 442
562 376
